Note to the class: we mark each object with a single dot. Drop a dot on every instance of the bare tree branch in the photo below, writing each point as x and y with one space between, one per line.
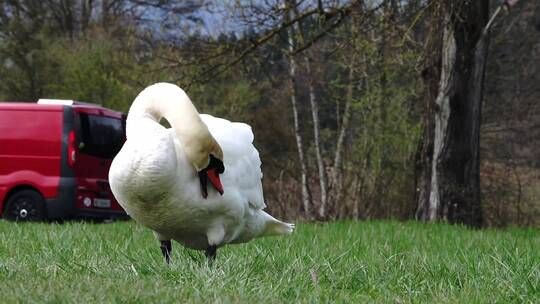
334 18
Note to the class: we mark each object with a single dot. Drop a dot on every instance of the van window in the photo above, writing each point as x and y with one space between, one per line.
101 136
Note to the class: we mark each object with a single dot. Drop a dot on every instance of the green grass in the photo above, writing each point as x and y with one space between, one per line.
345 262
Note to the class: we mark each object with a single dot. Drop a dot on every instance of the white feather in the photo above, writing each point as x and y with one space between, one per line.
156 184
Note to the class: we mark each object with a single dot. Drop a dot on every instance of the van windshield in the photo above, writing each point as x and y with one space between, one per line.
101 136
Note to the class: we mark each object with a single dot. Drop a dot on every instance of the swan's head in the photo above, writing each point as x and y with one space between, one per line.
166 100
172 103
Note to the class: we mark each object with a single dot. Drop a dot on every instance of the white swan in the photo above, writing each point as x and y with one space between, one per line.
159 176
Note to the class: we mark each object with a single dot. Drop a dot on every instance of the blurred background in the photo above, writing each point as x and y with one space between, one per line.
332 89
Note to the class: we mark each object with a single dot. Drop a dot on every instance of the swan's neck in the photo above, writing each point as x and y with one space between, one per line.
171 102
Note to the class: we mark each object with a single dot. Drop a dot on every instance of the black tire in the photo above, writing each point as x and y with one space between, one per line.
25 206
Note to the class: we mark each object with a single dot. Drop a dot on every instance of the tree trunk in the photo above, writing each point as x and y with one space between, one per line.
87 8
314 112
316 138
448 185
337 175
105 14
298 136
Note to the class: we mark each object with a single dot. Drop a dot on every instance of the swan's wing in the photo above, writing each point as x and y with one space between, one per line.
146 164
241 158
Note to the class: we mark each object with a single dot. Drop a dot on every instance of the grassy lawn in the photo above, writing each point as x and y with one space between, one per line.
343 262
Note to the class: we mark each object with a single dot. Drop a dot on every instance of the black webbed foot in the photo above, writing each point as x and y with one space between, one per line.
211 253
166 248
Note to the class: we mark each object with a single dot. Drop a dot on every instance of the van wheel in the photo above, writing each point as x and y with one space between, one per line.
25 205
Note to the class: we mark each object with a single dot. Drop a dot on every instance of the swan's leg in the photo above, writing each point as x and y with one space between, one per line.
166 248
215 235
165 245
211 253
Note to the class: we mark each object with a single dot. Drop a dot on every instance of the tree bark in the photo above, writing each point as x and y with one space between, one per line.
87 7
316 138
314 114
298 136
337 173
105 13
448 184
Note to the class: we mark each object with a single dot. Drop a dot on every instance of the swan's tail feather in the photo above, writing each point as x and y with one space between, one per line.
276 227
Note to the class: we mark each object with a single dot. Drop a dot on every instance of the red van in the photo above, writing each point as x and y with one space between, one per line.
54 160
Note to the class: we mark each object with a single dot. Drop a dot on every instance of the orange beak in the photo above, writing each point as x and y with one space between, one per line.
213 177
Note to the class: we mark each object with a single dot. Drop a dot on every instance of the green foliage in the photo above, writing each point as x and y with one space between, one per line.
109 59
24 67
384 126
345 262
97 70
102 69
231 96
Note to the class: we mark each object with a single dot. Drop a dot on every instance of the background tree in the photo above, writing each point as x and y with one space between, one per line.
449 175
354 69
449 178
